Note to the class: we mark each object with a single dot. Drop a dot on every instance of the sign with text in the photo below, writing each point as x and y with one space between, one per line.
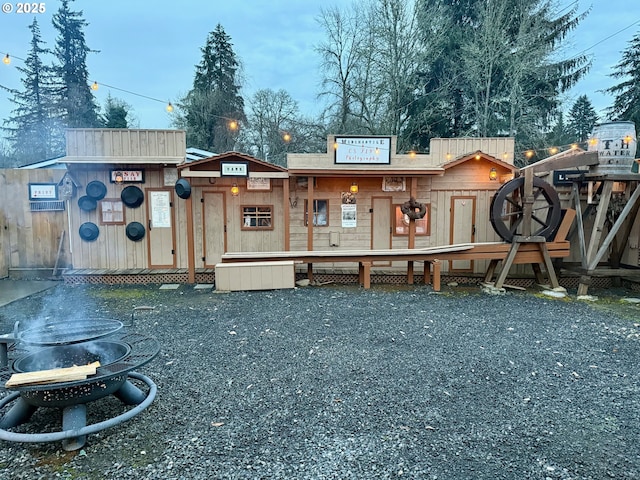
127 176
363 150
235 169
43 191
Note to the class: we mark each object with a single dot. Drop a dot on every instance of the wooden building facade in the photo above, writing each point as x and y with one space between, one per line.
133 202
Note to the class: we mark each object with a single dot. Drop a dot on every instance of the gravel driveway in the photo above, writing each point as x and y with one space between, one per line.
337 382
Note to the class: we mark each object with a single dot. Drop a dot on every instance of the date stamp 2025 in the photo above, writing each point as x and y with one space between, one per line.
26 7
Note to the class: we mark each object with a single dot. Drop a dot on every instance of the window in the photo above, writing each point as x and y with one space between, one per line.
320 213
111 212
402 223
257 217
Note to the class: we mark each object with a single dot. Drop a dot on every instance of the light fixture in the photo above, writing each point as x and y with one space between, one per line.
7 59
233 125
169 107
412 153
593 141
529 153
574 146
477 157
353 188
335 145
493 174
235 190
553 150
118 177
377 151
95 86
286 136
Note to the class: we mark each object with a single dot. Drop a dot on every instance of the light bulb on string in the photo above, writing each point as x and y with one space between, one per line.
95 86
169 107
7 59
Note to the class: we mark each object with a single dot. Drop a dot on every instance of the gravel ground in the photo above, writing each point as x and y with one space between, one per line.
336 382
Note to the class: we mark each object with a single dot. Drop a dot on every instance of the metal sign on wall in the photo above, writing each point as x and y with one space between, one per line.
363 150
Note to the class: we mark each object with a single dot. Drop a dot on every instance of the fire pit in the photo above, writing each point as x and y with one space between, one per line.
61 346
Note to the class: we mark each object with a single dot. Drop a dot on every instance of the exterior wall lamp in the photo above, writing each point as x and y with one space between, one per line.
235 190
493 174
118 177
354 188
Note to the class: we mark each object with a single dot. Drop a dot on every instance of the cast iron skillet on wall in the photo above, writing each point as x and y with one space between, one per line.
132 197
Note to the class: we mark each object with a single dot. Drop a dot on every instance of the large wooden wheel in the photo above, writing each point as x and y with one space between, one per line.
507 209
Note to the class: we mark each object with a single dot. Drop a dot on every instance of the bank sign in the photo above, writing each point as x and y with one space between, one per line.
363 150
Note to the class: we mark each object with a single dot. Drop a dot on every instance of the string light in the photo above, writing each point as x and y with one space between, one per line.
95 86
7 59
169 107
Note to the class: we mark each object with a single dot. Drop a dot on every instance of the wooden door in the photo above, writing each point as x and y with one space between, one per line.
463 228
381 225
161 238
213 230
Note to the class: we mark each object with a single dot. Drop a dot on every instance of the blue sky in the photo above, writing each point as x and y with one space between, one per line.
151 47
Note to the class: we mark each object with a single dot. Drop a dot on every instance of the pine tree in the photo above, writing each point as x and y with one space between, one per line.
117 113
626 105
33 131
214 102
74 97
582 118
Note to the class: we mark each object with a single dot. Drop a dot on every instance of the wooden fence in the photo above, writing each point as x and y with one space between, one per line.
31 232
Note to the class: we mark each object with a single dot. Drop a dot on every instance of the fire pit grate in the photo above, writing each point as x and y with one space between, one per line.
69 332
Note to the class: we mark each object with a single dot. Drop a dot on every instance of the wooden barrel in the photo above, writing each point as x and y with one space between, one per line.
616 145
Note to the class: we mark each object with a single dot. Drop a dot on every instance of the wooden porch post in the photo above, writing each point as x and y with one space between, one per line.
191 256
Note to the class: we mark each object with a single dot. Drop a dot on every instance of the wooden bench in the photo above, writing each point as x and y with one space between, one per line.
364 259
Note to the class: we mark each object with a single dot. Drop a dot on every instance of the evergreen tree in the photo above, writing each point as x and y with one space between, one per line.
498 71
582 118
626 105
74 97
117 113
210 113
33 131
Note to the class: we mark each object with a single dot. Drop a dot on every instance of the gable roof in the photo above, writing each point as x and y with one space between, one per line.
478 155
211 167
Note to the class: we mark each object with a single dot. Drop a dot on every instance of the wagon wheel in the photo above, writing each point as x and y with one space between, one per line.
507 206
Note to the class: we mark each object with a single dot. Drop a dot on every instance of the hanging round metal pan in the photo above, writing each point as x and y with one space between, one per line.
135 231
132 197
87 203
96 190
183 188
89 231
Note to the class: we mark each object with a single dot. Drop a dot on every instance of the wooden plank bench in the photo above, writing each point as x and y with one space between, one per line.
364 259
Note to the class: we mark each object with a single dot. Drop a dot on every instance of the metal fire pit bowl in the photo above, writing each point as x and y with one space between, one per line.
119 356
63 394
